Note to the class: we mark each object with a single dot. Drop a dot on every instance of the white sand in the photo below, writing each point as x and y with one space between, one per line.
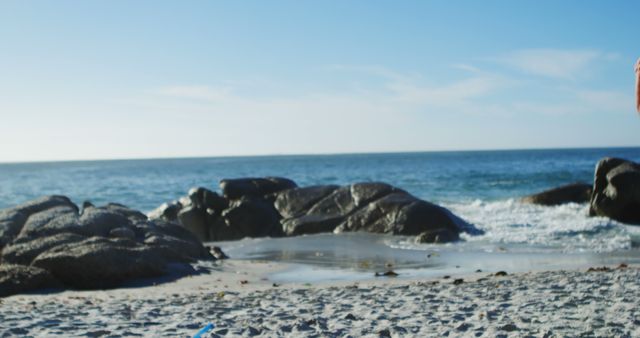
538 304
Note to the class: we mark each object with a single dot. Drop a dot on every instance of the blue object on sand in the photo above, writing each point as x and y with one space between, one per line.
204 330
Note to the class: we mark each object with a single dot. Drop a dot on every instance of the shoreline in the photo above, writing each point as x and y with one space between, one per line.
241 300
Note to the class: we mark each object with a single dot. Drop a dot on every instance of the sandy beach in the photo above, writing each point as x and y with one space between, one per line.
240 300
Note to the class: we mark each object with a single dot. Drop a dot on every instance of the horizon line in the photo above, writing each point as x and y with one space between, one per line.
309 154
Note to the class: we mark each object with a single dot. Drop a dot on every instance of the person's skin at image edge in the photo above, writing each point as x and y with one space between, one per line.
637 69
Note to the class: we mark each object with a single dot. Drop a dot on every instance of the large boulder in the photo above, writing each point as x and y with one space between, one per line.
321 209
100 247
101 262
12 220
310 224
195 220
39 219
92 222
400 213
296 202
616 190
166 211
570 193
251 217
370 207
254 187
24 252
168 229
203 198
20 278
198 212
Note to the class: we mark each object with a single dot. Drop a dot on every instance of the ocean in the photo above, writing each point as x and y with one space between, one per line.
482 187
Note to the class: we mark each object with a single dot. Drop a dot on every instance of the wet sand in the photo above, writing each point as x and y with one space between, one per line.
241 299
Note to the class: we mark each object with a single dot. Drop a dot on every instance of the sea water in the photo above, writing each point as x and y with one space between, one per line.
482 187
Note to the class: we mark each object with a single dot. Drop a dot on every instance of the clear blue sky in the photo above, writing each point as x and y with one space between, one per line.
139 79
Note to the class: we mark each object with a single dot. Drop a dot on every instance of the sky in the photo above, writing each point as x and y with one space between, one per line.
146 79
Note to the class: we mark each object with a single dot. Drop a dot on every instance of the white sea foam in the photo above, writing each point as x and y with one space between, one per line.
510 225
567 228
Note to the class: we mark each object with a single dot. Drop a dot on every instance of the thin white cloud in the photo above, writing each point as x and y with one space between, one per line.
577 102
468 68
409 89
197 92
446 94
375 70
554 63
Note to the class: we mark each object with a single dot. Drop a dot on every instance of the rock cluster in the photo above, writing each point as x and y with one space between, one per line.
615 192
570 193
48 242
273 206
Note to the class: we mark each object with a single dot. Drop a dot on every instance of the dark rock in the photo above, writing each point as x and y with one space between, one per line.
364 193
400 213
215 202
42 218
180 247
93 222
261 207
389 273
203 198
438 236
125 211
24 252
254 187
384 333
350 316
195 197
101 247
600 269
310 224
195 220
62 223
86 205
44 203
166 211
296 202
100 221
171 229
509 327
12 220
458 281
570 193
500 274
339 203
101 262
252 218
219 230
324 214
20 278
122 232
616 190
217 252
